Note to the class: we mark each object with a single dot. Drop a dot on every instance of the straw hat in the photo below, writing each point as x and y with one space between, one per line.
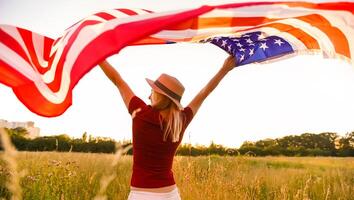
168 86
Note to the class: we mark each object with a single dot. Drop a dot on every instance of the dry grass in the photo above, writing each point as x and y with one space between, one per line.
12 182
52 175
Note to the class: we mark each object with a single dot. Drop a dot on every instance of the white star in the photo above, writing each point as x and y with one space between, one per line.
263 46
261 36
242 49
278 42
251 52
242 57
239 44
223 43
249 41
217 39
229 47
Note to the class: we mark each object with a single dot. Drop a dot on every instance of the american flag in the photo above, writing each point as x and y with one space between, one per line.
43 71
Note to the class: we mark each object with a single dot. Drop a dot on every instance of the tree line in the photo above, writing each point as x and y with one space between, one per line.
61 143
306 144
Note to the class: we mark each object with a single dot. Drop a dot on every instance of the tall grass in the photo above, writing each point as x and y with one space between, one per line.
53 175
9 155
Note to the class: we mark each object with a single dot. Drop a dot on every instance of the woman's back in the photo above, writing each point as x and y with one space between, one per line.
153 157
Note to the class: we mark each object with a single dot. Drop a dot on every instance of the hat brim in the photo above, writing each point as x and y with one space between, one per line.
157 89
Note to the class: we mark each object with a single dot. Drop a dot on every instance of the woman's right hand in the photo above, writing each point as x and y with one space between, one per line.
229 63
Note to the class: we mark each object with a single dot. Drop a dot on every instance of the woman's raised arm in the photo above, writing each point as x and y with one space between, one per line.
115 77
211 85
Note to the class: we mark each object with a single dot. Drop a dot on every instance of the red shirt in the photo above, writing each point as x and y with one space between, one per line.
152 157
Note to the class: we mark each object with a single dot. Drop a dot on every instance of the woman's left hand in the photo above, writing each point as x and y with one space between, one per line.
229 63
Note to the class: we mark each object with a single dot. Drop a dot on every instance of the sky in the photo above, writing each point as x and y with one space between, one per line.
293 96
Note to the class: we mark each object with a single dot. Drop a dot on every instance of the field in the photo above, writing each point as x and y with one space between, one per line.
54 175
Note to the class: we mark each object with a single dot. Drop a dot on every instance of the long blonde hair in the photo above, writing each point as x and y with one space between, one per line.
172 123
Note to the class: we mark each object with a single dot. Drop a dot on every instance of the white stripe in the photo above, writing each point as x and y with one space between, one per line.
91 18
189 33
17 62
13 32
38 44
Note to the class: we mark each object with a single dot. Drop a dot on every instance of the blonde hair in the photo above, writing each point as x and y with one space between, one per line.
173 125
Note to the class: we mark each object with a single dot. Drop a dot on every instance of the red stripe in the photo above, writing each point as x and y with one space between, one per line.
10 76
29 95
150 40
11 43
346 6
105 16
48 42
27 38
220 22
127 11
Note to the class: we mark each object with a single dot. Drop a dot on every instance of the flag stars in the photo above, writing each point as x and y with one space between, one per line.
242 57
264 46
242 49
229 47
278 42
249 41
224 43
239 44
261 36
251 52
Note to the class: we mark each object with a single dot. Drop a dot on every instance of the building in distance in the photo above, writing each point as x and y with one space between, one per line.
33 131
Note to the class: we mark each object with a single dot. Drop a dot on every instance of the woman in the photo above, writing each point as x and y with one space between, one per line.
158 130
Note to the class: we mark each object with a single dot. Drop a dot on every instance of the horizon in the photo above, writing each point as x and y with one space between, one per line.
182 143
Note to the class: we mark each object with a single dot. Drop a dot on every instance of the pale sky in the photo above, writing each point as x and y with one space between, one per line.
253 102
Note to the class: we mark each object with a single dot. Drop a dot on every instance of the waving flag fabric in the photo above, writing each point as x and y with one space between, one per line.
43 72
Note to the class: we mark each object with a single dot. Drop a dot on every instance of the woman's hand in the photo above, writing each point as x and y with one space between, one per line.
229 63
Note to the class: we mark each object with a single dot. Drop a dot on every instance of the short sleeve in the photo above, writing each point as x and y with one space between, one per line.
189 114
135 103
